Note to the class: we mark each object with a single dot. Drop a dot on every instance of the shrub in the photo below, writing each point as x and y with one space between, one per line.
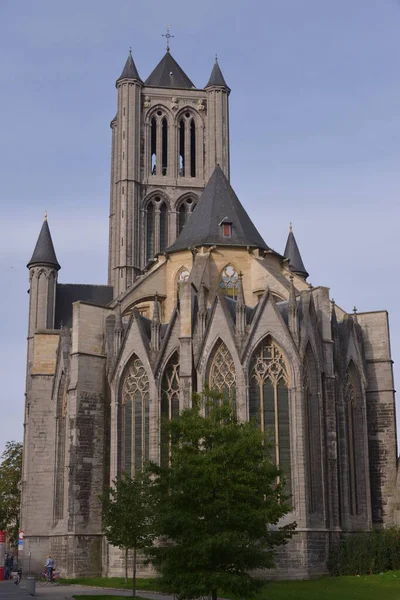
366 553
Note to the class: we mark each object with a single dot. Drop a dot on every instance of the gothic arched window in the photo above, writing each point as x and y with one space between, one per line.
163 226
187 145
350 398
158 144
164 146
269 401
150 227
135 421
186 208
61 411
169 404
153 146
192 148
229 281
222 376
312 432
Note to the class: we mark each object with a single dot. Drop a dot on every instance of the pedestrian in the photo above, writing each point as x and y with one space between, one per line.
49 567
6 570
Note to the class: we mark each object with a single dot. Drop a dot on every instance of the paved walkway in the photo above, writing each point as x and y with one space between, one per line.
10 591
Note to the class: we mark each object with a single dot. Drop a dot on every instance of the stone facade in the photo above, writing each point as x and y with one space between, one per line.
106 362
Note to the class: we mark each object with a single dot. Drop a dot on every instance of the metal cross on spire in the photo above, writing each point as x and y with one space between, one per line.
168 36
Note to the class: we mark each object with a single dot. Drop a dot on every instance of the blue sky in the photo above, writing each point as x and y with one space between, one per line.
315 138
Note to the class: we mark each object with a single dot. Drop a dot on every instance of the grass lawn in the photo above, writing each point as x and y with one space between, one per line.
372 587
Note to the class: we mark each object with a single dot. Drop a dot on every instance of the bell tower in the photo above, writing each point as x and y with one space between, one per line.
167 137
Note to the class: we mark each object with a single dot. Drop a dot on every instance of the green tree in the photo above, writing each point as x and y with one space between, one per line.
10 490
218 498
129 511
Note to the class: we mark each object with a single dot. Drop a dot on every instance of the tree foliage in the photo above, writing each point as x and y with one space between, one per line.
129 511
218 500
10 490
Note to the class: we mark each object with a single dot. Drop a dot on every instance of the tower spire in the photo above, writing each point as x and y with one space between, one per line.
129 71
44 253
216 77
292 253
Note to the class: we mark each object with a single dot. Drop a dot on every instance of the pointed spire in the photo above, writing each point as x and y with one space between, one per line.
216 77
155 326
202 311
129 71
118 331
44 253
240 309
217 206
292 252
293 321
169 74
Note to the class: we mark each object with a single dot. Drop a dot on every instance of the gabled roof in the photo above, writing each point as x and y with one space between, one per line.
169 74
292 252
218 204
216 77
44 253
130 71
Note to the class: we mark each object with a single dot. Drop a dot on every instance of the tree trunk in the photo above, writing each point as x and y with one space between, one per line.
214 595
134 573
126 565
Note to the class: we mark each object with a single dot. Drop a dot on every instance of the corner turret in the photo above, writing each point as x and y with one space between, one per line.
292 253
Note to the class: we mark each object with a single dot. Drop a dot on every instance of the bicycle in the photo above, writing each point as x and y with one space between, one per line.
43 579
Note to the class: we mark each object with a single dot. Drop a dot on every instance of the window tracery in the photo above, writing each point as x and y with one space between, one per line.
269 401
169 404
229 281
135 404
222 375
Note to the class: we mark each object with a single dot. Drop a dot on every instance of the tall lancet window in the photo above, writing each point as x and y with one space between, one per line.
350 398
312 436
192 148
153 145
269 401
169 404
164 128
163 226
135 413
182 148
61 411
222 375
187 145
185 210
150 226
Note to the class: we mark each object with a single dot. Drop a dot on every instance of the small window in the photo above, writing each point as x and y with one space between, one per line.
227 229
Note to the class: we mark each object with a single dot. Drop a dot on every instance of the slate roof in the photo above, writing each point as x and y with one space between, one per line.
44 253
67 293
292 252
169 74
217 204
130 71
216 77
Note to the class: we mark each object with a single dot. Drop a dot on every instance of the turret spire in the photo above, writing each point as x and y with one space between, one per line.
129 71
44 253
292 253
216 77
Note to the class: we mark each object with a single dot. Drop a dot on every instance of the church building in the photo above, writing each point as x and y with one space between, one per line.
195 297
